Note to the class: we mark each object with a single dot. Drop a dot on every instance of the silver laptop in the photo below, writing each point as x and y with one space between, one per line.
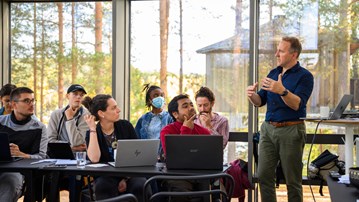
136 152
338 111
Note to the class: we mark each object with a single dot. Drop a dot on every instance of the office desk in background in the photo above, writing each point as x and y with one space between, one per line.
349 126
342 192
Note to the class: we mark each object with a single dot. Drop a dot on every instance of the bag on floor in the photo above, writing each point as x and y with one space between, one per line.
239 171
320 167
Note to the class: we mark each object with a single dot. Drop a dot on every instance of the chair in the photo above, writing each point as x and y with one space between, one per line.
87 194
123 197
224 178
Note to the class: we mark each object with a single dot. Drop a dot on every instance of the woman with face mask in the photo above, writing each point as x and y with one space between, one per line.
150 124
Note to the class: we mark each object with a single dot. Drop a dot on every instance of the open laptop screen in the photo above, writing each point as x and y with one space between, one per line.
5 155
60 150
338 111
194 152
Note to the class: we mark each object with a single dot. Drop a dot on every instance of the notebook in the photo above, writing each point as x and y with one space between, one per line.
5 154
338 111
204 152
60 150
136 152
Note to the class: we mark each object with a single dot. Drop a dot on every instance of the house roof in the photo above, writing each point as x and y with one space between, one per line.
239 43
235 44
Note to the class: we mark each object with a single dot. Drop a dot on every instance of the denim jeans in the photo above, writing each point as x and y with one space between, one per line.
10 186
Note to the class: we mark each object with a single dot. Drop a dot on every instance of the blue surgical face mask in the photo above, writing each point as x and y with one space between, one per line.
158 102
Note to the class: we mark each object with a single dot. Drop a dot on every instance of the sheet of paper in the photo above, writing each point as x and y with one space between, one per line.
65 162
97 165
44 161
344 179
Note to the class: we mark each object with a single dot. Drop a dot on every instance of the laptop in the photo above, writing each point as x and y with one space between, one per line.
338 111
136 152
5 154
60 150
195 152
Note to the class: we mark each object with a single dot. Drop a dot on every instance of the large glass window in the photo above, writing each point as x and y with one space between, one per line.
328 31
54 45
207 45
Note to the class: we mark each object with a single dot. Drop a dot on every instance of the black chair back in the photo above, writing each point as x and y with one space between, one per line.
213 190
121 198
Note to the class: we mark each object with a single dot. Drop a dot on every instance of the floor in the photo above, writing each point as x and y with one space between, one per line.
281 195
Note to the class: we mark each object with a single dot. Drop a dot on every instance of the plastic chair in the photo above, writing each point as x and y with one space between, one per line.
224 178
123 197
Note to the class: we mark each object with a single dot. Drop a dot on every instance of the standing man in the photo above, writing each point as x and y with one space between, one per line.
68 124
5 99
27 136
217 124
285 90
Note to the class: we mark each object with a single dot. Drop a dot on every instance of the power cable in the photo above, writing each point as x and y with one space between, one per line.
310 151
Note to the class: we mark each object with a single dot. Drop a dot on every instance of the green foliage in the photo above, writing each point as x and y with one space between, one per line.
94 71
192 82
137 96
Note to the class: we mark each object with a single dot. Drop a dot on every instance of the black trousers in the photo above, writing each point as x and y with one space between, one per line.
107 187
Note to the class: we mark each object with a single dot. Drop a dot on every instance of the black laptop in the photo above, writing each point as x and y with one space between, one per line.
195 152
60 150
5 154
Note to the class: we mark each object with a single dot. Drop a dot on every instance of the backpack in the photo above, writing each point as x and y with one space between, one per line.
320 167
239 171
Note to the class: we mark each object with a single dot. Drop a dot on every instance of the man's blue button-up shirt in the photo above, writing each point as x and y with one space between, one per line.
298 81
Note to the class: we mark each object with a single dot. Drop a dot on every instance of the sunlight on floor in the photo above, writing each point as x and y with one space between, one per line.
281 195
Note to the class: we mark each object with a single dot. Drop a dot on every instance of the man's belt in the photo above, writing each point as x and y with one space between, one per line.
284 123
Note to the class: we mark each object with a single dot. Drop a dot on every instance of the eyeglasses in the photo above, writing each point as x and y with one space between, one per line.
27 101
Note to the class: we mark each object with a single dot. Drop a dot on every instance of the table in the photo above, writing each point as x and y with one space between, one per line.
32 171
349 126
341 192
140 171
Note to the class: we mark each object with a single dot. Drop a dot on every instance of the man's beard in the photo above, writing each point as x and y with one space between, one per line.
27 115
205 112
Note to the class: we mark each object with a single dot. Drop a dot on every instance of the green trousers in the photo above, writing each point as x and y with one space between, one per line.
285 144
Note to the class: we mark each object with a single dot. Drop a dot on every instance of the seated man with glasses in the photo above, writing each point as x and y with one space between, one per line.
5 98
27 136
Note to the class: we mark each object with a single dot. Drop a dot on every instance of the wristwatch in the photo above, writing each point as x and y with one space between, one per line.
285 92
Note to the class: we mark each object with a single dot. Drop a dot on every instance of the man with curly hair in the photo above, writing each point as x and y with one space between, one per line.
217 124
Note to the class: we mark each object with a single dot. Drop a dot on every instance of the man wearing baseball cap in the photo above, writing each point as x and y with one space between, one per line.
68 124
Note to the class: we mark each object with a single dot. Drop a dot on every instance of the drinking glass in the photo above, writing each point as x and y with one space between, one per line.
80 159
